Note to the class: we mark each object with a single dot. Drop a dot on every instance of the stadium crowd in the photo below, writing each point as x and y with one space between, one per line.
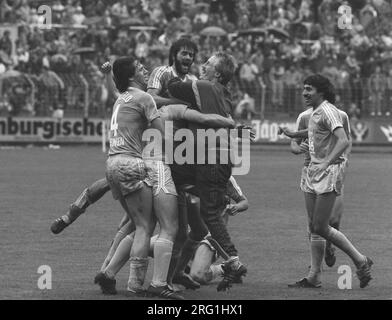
276 43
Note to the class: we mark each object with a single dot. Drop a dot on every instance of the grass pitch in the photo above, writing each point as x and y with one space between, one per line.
37 185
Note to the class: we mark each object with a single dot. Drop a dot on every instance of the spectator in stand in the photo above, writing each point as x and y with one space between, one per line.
23 13
57 12
258 59
247 77
6 43
142 46
377 86
293 89
245 108
120 9
78 17
330 71
352 63
52 84
201 16
357 89
388 102
5 11
277 86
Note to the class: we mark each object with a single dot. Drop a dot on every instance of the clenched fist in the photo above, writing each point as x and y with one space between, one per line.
106 67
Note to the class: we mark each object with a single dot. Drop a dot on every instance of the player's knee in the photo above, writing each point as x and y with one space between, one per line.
320 230
199 276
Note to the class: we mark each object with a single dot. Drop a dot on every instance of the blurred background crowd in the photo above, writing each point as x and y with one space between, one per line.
44 72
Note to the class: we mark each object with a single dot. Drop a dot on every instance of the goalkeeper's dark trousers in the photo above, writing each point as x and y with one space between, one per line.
211 184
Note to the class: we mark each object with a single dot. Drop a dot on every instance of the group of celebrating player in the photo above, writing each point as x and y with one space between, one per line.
191 202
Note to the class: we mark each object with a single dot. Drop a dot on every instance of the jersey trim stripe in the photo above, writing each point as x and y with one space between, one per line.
236 186
331 117
156 83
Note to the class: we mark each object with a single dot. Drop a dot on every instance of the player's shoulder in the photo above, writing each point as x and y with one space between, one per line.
142 96
307 113
329 109
191 77
161 70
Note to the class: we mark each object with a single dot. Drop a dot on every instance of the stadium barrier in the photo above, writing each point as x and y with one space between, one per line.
373 131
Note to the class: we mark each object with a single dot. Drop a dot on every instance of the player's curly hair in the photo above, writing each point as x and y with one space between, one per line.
123 69
322 85
178 45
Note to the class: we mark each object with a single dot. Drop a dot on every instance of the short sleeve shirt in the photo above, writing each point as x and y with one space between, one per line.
160 77
132 112
322 123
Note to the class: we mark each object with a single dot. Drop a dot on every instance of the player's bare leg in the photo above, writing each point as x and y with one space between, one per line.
317 249
321 217
139 207
125 228
88 196
202 269
334 222
166 212
122 255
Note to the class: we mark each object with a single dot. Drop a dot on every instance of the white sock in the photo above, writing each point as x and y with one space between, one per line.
137 273
317 251
162 255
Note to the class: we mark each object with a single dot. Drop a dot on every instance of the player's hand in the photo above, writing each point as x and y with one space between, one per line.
322 166
106 67
286 131
252 134
231 209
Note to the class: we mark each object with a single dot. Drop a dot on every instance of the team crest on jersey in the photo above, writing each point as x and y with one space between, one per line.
387 131
359 131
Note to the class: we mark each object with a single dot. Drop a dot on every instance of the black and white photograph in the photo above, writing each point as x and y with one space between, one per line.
192 155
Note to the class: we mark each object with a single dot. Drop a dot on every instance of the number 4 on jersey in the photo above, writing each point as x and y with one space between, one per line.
113 122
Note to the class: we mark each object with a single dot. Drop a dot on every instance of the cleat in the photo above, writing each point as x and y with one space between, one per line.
304 283
163 292
330 257
186 281
141 292
108 286
58 225
231 276
363 273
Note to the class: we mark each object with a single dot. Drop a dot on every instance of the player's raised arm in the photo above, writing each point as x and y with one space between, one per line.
106 69
293 134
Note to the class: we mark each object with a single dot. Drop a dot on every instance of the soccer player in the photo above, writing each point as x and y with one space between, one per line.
181 57
126 172
210 95
301 146
325 175
203 255
202 268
